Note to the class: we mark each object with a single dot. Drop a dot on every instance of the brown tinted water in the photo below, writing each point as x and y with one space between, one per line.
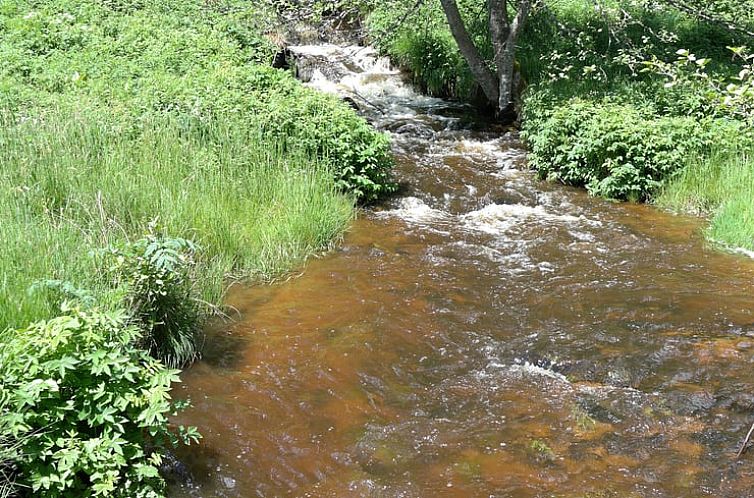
483 334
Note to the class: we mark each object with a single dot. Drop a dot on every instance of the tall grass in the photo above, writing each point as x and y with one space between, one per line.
72 183
721 186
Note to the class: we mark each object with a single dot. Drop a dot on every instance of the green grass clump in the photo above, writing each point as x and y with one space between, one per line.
72 184
721 186
424 46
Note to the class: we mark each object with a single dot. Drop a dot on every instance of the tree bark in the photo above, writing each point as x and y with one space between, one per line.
482 73
497 86
504 37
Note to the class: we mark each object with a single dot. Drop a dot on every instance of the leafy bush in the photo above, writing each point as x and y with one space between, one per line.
614 150
88 409
320 125
156 275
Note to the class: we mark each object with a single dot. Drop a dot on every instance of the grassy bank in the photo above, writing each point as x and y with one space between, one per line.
720 186
72 185
595 114
124 114
148 157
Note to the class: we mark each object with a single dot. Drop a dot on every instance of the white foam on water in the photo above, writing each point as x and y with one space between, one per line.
498 218
374 77
415 210
736 250
531 369
493 147
514 262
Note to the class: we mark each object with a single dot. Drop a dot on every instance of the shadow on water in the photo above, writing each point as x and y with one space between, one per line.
223 347
481 334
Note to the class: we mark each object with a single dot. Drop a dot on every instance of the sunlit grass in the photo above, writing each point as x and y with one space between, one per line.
721 186
74 183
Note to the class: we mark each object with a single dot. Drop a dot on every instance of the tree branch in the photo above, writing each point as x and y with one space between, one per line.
524 7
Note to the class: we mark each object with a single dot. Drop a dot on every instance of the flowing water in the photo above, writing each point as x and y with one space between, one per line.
483 334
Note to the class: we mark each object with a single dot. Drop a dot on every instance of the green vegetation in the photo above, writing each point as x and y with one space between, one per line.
75 187
148 158
542 451
632 101
423 45
88 407
118 114
722 186
610 148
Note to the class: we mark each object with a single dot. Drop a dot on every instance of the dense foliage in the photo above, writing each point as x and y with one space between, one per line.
182 58
610 148
88 408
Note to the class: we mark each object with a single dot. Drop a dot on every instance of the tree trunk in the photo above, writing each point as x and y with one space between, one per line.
498 87
504 37
479 69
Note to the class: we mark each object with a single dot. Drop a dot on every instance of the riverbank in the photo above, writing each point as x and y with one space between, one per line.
600 109
150 157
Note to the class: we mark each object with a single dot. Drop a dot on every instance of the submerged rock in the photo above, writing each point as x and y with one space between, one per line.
174 471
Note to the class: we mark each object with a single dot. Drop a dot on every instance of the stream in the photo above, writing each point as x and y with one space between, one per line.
482 334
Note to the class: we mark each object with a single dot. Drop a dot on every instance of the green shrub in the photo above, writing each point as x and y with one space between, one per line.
156 275
614 150
322 126
87 408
